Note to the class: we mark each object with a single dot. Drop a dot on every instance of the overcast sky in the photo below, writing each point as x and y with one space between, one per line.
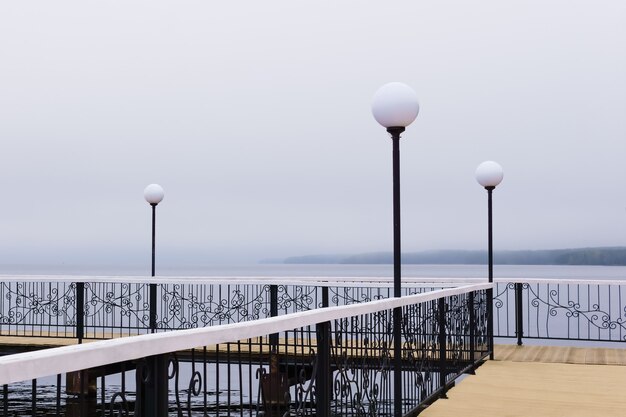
255 118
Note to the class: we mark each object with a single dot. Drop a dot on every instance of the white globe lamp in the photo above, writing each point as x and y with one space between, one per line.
395 105
489 174
153 194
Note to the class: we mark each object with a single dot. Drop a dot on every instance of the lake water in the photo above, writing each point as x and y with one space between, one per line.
295 270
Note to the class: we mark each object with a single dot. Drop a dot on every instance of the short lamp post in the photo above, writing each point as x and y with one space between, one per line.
489 174
395 106
154 195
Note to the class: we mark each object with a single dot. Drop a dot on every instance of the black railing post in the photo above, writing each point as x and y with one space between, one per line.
5 396
472 326
83 392
152 387
80 311
58 399
153 308
519 318
274 313
441 310
397 361
34 397
323 373
490 321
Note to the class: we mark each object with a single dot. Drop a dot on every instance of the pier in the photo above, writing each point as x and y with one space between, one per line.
86 346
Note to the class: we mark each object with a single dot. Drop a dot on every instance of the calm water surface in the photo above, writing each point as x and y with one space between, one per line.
292 270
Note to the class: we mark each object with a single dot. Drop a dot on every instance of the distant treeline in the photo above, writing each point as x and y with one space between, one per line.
583 256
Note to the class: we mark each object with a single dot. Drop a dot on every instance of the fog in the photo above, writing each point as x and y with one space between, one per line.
255 118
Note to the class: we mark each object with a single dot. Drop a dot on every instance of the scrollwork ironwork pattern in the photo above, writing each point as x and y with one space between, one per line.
294 298
116 309
465 338
361 354
563 311
480 324
189 306
461 327
37 309
420 350
119 408
356 294
303 403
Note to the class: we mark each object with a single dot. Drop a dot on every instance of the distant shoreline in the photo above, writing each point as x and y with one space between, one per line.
603 256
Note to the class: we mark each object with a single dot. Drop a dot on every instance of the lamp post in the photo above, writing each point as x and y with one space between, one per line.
154 195
395 106
489 174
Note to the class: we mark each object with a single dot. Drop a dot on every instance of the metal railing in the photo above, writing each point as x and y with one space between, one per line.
577 310
104 307
260 346
326 361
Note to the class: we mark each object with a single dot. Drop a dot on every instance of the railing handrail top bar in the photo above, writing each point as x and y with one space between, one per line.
192 278
241 280
29 365
310 280
555 281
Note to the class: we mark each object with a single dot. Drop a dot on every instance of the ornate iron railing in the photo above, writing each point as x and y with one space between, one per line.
327 361
98 308
277 371
38 308
583 310
104 307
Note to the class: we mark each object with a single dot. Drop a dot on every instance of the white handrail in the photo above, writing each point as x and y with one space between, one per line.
30 365
261 279
555 281
304 280
246 280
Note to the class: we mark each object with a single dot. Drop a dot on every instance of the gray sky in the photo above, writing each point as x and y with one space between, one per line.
255 118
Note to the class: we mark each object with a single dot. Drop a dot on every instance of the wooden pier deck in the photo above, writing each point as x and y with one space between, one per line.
541 381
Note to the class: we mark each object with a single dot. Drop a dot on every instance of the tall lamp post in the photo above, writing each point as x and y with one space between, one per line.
489 174
395 106
154 195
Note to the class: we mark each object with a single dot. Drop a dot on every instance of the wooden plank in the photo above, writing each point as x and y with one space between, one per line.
534 389
561 354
